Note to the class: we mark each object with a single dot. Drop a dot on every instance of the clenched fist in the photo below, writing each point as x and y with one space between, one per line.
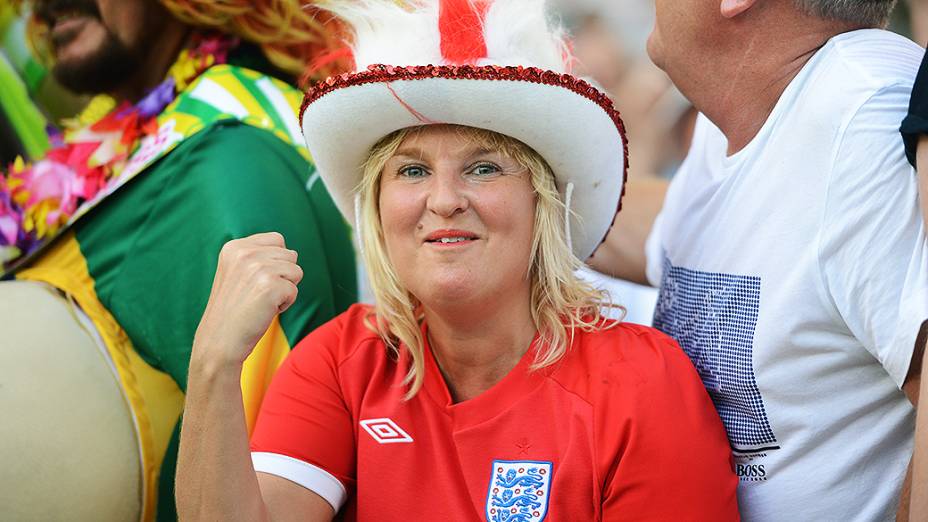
255 280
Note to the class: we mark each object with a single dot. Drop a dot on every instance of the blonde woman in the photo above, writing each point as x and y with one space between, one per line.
484 384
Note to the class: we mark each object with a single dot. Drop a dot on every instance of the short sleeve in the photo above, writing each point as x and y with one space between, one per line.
304 431
916 122
872 250
677 463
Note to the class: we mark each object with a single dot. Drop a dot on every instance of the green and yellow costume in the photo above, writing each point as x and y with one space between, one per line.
228 162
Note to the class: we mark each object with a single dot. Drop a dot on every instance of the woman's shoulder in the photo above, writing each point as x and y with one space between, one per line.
627 354
340 337
628 342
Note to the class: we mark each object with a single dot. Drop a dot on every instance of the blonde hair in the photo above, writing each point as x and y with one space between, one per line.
560 301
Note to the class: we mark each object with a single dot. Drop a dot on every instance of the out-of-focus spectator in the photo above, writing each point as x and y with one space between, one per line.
609 46
112 238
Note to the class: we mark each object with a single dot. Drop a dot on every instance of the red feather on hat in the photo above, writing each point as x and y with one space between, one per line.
460 23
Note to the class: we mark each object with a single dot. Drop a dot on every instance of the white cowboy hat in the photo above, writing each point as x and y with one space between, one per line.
494 65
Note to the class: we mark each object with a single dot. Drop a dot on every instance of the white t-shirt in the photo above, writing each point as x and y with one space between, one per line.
795 275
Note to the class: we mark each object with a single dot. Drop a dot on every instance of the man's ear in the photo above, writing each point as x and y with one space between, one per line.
733 8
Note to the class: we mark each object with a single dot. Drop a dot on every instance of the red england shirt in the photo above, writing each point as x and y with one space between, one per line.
621 428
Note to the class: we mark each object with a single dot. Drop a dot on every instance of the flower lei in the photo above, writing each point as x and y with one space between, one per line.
37 200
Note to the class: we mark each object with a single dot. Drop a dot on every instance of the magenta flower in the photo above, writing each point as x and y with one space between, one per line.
51 180
10 218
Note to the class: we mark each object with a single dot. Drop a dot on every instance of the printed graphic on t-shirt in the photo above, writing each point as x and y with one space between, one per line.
713 317
385 431
519 491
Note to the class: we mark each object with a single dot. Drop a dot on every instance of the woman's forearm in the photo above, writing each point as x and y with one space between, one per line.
215 476
256 279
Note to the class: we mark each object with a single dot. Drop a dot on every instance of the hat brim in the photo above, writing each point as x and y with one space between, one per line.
570 123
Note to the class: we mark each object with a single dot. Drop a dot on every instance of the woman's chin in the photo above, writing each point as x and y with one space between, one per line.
455 291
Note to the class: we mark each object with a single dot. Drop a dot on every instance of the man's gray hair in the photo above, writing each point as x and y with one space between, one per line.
865 13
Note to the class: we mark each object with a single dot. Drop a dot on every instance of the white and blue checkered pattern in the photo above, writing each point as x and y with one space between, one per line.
713 317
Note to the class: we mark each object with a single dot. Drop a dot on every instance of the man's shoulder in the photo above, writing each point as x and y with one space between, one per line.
231 93
235 76
872 59
856 83
230 156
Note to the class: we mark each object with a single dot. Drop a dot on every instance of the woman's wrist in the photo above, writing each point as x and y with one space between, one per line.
213 363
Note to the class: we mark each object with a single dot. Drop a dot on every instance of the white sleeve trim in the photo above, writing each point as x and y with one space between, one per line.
311 477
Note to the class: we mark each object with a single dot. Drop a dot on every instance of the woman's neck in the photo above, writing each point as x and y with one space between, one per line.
475 351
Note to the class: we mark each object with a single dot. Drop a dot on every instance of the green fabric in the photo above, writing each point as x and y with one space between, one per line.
152 250
167 507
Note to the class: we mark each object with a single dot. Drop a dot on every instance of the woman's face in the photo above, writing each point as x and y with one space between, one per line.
457 219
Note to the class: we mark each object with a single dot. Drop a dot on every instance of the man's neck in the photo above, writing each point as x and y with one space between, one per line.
160 57
749 81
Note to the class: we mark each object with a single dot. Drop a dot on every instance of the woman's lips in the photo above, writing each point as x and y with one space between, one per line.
451 238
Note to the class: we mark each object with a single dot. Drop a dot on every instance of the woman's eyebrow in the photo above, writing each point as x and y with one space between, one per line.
480 151
410 153
419 154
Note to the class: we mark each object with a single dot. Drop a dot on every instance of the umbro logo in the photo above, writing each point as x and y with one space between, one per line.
385 431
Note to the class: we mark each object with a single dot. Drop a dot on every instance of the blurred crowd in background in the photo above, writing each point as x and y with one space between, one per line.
609 43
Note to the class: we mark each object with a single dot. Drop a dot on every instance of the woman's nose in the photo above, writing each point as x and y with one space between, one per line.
447 195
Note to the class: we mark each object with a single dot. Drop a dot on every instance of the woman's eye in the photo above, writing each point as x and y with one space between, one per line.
412 171
485 169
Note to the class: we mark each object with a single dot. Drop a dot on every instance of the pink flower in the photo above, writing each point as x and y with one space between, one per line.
9 227
50 180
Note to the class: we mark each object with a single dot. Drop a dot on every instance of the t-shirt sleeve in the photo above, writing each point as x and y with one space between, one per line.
304 431
676 463
916 122
872 249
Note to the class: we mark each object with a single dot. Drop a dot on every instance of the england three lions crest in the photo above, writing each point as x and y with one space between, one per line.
519 491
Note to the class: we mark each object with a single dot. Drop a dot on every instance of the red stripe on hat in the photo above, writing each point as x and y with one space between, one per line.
460 23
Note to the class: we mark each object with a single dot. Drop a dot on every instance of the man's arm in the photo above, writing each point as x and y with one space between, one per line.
622 255
922 164
916 484
873 246
913 504
914 497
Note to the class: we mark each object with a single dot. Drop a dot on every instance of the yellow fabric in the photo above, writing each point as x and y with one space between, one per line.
260 367
155 399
